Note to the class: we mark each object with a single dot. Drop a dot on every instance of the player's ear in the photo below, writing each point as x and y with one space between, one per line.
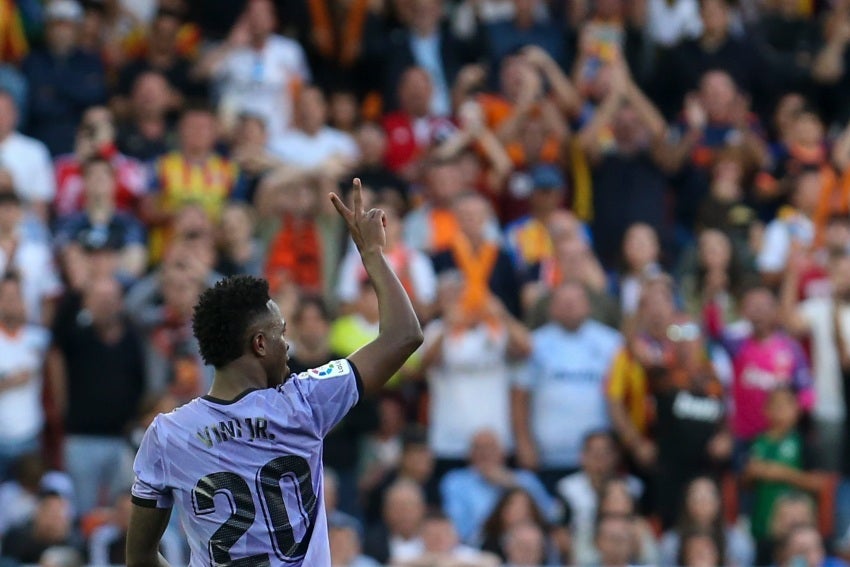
258 344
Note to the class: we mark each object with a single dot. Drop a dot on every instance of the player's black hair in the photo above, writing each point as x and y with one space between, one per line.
224 313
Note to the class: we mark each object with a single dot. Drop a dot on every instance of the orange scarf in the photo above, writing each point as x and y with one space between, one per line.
296 253
443 229
834 198
476 269
324 34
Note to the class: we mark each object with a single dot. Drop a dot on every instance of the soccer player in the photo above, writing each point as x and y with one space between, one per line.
243 464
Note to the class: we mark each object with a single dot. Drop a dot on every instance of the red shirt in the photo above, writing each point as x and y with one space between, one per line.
130 177
409 138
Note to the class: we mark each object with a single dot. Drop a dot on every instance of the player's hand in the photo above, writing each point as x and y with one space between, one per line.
367 228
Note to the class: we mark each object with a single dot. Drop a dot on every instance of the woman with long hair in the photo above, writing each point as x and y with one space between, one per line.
702 512
515 507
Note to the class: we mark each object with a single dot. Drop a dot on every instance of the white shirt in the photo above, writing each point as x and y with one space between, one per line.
565 376
39 278
300 149
469 388
262 81
21 414
669 23
579 493
420 272
779 234
405 549
829 396
30 165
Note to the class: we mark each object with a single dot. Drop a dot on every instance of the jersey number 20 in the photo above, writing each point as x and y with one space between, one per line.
290 467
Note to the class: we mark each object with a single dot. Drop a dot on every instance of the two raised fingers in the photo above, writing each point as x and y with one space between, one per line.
343 210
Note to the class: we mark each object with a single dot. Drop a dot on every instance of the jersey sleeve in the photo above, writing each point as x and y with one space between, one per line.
329 391
150 489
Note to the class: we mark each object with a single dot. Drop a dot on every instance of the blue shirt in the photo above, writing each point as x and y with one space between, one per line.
468 498
565 376
426 53
505 38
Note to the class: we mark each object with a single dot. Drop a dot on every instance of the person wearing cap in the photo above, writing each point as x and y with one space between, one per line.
527 238
64 80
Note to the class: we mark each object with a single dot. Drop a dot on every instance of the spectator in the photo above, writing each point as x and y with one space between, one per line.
23 349
699 549
143 133
528 237
173 357
95 139
30 259
641 255
100 225
239 251
470 494
623 143
793 227
441 547
764 360
52 525
599 463
413 128
306 246
572 261
465 354
484 266
816 317
194 173
790 510
399 537
702 515
716 48
506 36
163 53
714 117
372 144
713 280
563 380
789 40
98 362
415 463
428 43
256 70
616 499
249 150
777 463
311 144
515 507
27 159
345 547
432 227
19 494
804 546
670 23
613 541
64 79
525 544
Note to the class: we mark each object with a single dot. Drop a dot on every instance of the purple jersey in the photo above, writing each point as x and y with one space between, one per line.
246 475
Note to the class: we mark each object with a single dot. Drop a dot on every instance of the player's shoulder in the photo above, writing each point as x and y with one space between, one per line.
333 369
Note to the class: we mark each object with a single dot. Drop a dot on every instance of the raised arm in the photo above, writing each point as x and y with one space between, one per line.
400 334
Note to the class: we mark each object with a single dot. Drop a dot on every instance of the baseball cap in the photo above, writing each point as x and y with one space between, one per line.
547 177
64 10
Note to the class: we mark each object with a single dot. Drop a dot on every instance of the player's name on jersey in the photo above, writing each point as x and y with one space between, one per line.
248 429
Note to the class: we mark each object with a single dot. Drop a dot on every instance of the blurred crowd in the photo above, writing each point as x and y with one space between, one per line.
624 224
